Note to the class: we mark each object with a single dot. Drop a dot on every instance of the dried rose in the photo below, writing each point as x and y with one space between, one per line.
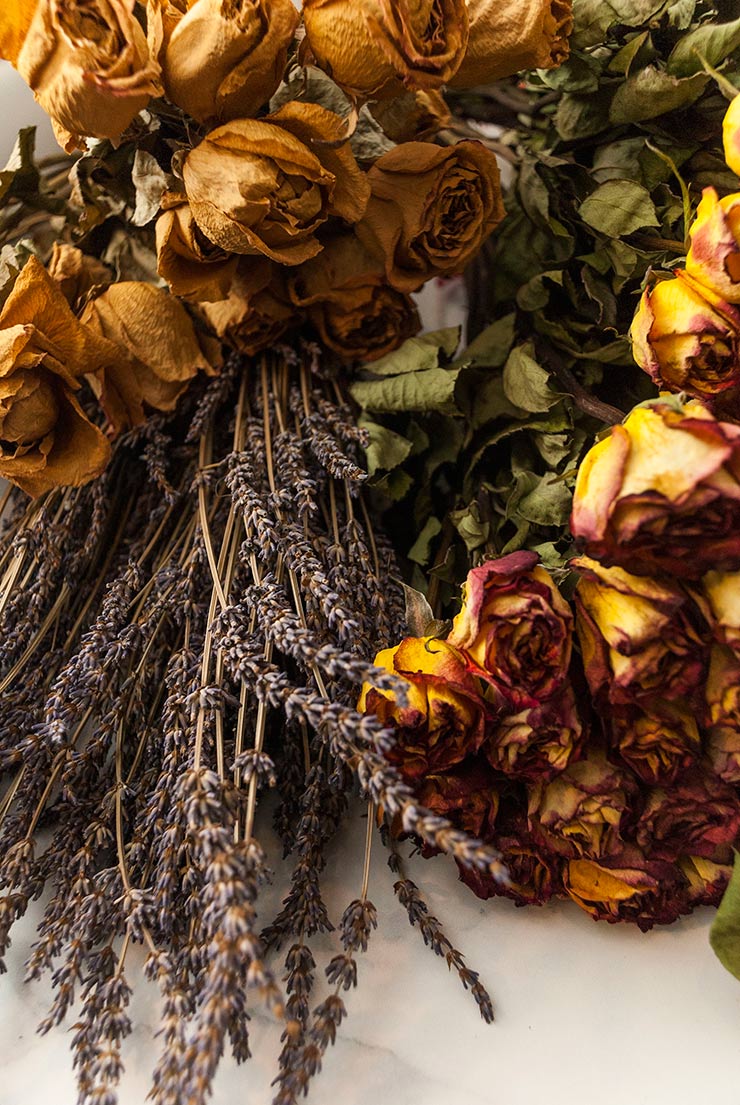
713 259
431 208
157 351
637 634
16 17
76 273
88 66
707 879
256 187
687 339
225 58
507 36
46 439
627 887
731 135
534 878
657 741
694 816
349 301
378 48
195 269
579 812
515 629
443 719
539 741
720 601
662 493
467 796
722 737
257 312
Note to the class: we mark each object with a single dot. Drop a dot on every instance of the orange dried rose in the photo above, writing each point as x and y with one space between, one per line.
379 47
507 36
349 301
157 352
255 186
257 312
195 269
225 58
46 439
88 65
76 273
413 115
430 209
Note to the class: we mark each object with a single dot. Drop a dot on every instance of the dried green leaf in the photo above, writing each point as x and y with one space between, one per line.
419 614
711 41
386 449
526 384
581 116
432 389
473 531
491 347
20 177
618 208
653 92
547 504
421 550
417 354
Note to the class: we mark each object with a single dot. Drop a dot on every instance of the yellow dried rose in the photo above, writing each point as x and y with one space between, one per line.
225 58
686 338
76 273
88 66
195 269
46 439
507 36
379 47
157 352
731 135
349 301
430 209
412 115
16 17
713 259
256 312
255 186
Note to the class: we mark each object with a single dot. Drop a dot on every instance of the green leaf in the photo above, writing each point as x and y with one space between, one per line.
421 549
593 18
724 935
653 92
618 208
526 382
547 504
713 41
623 59
581 116
432 389
491 347
417 354
580 73
386 449
20 177
468 524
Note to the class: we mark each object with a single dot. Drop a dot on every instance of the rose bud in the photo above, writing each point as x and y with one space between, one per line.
76 273
349 301
507 36
720 602
713 259
443 719
46 439
707 879
411 116
88 66
637 635
722 736
627 887
224 60
430 209
257 312
157 351
539 741
661 493
375 49
731 135
579 812
467 796
515 629
685 339
255 187
195 269
695 815
657 741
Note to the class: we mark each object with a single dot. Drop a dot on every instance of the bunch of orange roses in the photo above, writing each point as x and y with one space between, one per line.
290 180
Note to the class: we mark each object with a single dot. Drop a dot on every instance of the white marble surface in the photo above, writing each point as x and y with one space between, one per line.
585 1012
